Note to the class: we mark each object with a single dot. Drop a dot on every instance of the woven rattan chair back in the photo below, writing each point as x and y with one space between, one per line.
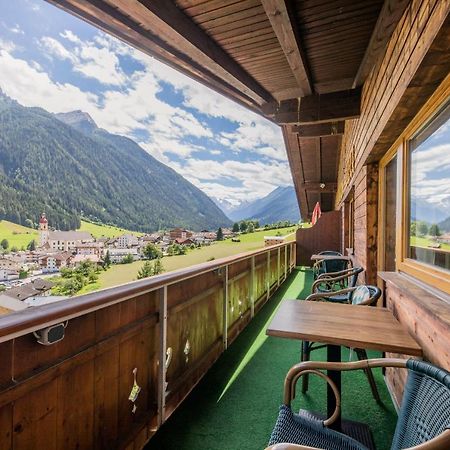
425 410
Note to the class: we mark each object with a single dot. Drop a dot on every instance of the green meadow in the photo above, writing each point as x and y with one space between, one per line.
124 273
17 235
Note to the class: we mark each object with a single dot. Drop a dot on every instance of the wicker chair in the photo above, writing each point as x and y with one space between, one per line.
333 281
331 265
423 421
347 295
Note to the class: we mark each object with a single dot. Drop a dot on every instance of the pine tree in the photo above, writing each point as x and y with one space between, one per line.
219 234
434 230
106 260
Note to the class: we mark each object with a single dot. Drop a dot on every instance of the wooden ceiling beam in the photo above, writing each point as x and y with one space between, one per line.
296 165
316 108
390 15
319 186
171 24
286 31
109 19
319 129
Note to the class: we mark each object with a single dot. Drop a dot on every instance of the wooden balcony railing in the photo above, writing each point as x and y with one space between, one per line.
163 333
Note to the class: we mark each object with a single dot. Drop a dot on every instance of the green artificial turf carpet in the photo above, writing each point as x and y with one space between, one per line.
236 404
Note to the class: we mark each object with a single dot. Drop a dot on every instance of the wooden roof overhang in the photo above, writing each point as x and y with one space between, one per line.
299 63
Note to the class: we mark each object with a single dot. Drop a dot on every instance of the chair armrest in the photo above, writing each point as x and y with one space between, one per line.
319 295
441 442
286 446
315 367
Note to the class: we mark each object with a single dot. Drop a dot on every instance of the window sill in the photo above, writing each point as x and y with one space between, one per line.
426 297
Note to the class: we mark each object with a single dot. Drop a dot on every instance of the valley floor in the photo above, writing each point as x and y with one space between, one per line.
124 273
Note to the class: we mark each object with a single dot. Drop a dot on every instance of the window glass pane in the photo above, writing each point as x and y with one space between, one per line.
390 214
429 191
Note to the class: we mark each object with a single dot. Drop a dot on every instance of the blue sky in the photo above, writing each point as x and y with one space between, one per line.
51 59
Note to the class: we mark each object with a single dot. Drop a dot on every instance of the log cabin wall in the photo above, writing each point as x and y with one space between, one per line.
324 235
169 330
414 65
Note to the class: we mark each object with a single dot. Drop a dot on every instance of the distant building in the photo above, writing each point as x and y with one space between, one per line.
179 233
61 240
117 255
9 305
10 264
227 232
37 287
273 240
8 275
187 241
78 259
54 262
127 241
90 248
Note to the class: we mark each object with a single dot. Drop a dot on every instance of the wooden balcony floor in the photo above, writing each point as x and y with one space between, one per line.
236 404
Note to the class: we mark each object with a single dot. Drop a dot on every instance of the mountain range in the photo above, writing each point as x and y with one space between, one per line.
68 167
280 204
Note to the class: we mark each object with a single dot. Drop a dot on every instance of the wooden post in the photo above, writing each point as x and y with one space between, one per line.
294 257
278 266
225 309
162 355
252 287
285 261
268 275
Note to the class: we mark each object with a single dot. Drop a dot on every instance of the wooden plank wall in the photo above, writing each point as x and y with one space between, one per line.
324 235
386 85
424 316
74 394
399 84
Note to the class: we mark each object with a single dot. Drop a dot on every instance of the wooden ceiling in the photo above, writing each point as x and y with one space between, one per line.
300 63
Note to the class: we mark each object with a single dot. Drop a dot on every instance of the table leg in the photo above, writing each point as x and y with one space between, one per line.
333 355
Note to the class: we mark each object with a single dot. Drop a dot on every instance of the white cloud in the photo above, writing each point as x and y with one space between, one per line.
7 46
238 180
55 48
67 34
24 82
16 29
100 64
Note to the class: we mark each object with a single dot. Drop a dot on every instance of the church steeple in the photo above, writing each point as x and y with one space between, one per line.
43 229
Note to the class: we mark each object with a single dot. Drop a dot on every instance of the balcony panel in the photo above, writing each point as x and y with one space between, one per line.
162 333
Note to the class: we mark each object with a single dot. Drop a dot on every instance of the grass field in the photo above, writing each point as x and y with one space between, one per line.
108 231
426 242
124 273
17 235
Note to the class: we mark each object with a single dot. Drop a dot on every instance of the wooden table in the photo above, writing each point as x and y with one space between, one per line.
328 257
337 324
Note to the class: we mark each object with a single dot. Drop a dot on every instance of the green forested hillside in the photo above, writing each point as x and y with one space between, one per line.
47 165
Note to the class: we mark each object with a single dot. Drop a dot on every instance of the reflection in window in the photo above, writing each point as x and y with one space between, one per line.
390 222
429 191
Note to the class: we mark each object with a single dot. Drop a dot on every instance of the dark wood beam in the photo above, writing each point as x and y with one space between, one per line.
172 25
319 129
316 108
319 186
109 19
390 14
296 164
284 26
